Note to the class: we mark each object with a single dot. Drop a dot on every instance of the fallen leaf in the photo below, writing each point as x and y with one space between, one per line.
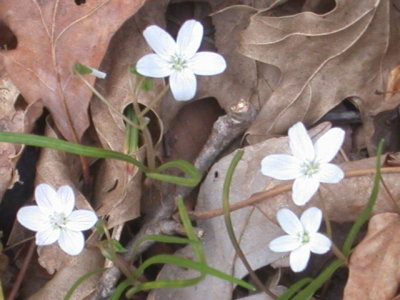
119 185
323 60
255 225
41 65
374 263
75 267
14 118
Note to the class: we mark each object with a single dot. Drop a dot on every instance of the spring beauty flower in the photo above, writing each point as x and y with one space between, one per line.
309 165
54 219
303 237
179 59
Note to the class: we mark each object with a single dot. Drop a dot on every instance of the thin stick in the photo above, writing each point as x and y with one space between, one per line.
276 191
15 289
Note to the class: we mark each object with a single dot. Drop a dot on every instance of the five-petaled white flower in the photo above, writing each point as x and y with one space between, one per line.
179 59
54 219
302 237
309 165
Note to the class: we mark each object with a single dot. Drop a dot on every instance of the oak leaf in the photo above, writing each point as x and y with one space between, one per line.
324 59
52 36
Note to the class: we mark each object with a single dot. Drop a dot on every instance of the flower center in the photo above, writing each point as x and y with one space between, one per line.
305 238
58 220
310 168
178 62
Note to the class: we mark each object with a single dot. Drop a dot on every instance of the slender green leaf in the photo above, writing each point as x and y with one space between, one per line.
159 284
190 264
163 239
69 147
187 224
193 179
77 283
366 213
121 287
131 133
294 288
324 276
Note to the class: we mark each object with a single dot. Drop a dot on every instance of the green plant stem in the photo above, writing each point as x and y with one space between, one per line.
105 101
147 139
77 283
154 101
229 225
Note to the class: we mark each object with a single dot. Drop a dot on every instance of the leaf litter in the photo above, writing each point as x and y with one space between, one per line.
287 62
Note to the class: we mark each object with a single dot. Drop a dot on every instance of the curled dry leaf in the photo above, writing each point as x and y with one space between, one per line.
374 264
323 60
41 65
255 225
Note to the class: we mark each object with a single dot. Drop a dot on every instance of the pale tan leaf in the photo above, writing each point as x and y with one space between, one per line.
374 264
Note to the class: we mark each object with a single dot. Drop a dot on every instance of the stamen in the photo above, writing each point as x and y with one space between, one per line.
178 63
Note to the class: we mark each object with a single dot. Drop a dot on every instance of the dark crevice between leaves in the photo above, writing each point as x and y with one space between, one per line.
80 2
22 191
8 40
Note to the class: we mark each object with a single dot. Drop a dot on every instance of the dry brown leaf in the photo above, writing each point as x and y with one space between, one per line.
393 85
12 118
374 264
72 270
41 65
256 226
118 184
324 59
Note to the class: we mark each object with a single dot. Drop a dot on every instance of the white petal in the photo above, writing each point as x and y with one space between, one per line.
303 189
299 258
160 41
319 243
207 63
330 173
284 243
183 85
153 65
98 73
311 219
289 222
48 236
281 166
33 218
189 38
46 198
80 220
300 142
328 145
67 198
71 242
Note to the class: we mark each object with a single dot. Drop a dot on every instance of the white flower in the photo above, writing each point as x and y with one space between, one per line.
179 59
309 165
302 237
54 219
